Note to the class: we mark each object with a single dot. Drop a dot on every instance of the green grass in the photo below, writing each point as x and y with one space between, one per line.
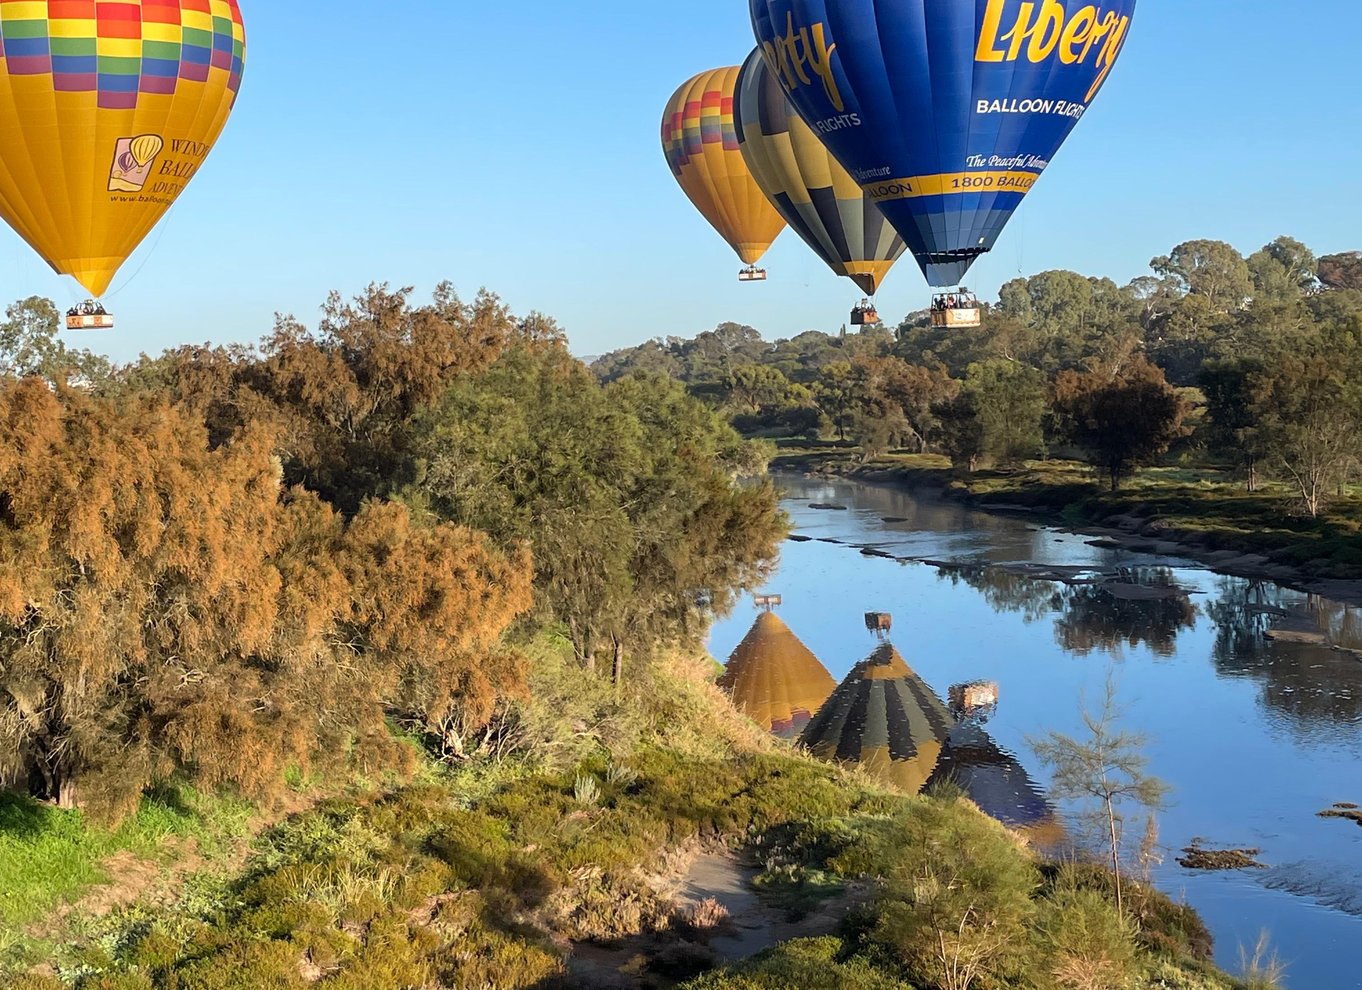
49 856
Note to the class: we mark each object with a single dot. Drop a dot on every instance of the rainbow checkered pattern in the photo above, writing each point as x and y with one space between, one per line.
120 48
708 120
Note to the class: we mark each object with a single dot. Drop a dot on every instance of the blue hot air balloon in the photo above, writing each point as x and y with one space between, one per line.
946 111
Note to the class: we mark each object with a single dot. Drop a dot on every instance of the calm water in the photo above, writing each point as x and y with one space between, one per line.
1254 736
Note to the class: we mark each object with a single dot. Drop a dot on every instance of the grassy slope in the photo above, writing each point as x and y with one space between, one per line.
1196 507
48 858
479 877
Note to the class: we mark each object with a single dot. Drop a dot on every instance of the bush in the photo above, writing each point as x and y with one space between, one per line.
957 906
809 964
1089 944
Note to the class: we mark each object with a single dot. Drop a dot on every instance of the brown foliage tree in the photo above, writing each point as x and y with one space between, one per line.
891 391
1122 421
168 607
1341 271
339 397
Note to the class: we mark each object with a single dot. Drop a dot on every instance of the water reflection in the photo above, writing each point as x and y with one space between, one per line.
995 780
776 680
1098 610
1143 606
884 718
1299 647
1007 590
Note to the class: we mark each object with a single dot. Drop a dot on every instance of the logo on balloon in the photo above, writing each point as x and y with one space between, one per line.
133 158
798 52
1040 31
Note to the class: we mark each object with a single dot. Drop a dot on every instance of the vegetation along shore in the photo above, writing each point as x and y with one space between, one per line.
1207 408
371 657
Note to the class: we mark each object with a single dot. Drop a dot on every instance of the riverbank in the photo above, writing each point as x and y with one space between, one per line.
1171 512
656 821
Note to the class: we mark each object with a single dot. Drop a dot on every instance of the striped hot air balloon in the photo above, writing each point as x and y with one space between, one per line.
108 108
701 145
885 718
818 199
775 679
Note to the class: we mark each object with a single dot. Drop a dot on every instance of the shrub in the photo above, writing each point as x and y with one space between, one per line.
1089 944
809 964
957 904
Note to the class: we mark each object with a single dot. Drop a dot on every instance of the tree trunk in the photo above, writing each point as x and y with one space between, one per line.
617 668
58 778
1115 857
583 646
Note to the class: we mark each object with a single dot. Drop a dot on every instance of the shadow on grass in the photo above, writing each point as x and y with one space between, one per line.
21 817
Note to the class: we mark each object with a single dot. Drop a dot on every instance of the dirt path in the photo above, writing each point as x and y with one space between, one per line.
661 960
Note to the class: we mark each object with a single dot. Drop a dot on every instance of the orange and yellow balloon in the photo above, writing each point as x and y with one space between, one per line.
701 145
108 109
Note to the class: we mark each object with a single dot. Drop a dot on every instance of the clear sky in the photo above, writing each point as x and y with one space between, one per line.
514 145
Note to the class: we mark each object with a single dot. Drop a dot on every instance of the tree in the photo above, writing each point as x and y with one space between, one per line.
627 495
894 399
1072 321
1009 400
835 394
1121 422
1310 411
757 388
1213 270
654 356
1235 414
169 608
1284 269
341 396
959 432
1341 271
29 346
1107 771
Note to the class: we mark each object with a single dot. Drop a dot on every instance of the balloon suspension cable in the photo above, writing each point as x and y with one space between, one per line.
160 232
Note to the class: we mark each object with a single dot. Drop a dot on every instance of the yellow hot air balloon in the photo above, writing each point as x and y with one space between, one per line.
701 145
108 109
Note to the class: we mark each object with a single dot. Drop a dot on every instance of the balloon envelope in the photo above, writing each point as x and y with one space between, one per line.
701 145
108 109
946 111
814 194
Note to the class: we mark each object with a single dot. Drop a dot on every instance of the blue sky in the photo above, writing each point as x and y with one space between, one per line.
515 146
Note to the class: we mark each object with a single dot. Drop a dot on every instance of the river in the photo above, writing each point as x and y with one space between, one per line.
1254 735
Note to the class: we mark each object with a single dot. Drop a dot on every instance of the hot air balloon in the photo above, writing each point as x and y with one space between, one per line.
945 111
108 109
818 199
701 145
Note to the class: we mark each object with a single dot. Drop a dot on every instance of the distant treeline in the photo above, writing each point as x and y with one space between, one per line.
1259 354
229 564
